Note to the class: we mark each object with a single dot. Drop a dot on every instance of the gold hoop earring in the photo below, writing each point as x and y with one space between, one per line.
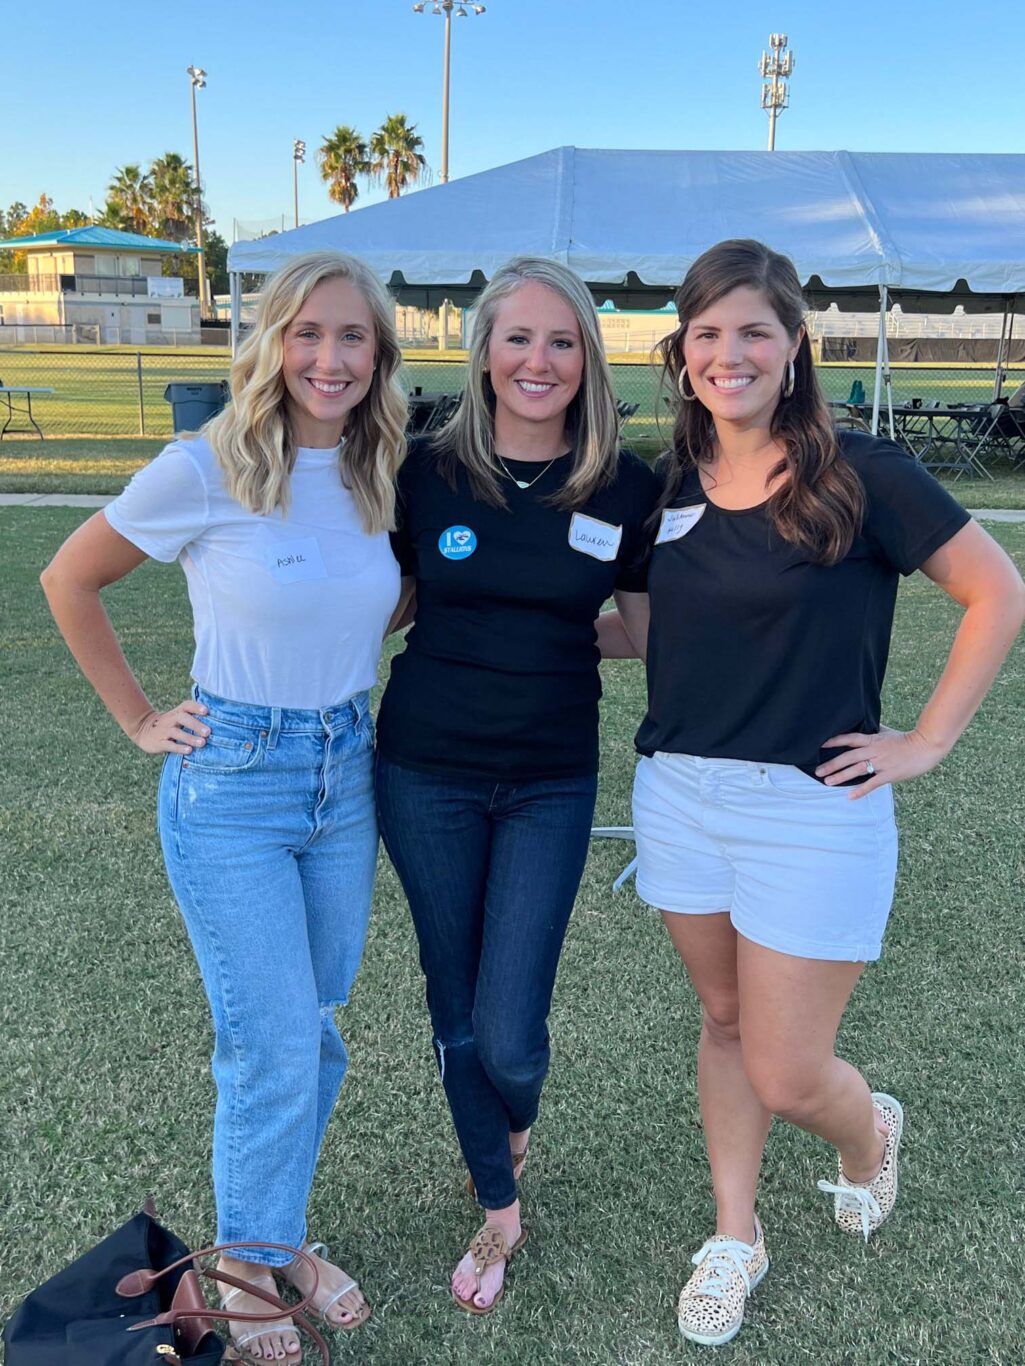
681 381
788 384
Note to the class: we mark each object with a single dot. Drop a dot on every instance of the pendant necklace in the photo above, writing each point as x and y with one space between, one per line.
523 483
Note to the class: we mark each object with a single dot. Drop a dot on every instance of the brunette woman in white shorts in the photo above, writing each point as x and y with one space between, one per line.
763 805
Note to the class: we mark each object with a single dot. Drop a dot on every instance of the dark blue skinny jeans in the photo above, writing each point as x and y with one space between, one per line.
491 871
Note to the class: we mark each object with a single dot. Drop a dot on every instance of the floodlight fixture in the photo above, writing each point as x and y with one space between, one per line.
197 80
298 155
461 11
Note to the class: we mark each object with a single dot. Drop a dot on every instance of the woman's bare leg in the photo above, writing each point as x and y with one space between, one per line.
735 1121
790 1013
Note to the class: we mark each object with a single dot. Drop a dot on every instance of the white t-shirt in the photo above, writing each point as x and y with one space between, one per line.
288 611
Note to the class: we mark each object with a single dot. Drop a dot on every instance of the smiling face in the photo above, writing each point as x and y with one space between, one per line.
536 364
328 361
736 352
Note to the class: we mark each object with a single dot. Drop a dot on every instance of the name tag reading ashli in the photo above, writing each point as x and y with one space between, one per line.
296 561
592 537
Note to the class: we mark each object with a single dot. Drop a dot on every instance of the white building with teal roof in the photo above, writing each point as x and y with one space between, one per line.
99 284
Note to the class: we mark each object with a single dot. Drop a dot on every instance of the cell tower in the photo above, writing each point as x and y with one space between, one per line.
775 69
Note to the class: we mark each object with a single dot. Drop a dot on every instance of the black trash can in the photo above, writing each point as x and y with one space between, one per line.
194 404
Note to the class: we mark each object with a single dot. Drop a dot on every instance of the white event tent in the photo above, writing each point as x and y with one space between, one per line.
928 230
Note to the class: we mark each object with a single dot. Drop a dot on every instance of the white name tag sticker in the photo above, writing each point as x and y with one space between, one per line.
296 561
599 539
676 522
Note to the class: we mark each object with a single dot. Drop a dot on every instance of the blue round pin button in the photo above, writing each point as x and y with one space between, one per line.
457 542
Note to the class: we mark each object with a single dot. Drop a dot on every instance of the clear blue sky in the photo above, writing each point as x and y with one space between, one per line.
89 88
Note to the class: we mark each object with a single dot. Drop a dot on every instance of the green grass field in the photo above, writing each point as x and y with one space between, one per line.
96 392
106 1094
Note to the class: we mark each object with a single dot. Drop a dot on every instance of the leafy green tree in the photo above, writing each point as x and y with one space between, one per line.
130 193
21 221
395 155
186 265
343 159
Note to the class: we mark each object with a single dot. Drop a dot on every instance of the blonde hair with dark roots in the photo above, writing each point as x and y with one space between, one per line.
592 420
253 438
822 503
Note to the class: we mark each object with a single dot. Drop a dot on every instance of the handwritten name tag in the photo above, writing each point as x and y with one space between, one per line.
296 561
676 522
591 537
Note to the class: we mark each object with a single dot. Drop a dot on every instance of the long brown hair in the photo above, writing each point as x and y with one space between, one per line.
822 502
592 422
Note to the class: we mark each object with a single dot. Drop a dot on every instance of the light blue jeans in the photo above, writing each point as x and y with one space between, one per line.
270 840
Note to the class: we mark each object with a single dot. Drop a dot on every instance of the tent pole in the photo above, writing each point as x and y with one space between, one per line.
1003 349
235 294
881 361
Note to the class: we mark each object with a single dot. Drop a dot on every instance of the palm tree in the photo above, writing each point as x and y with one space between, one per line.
395 155
130 193
112 216
173 196
343 157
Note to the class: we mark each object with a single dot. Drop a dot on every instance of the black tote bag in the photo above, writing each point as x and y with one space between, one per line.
99 1311
77 1318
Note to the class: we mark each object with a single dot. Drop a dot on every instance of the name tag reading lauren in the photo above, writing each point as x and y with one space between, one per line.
296 561
676 522
591 537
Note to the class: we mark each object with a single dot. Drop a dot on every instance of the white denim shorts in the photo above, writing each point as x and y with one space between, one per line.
799 866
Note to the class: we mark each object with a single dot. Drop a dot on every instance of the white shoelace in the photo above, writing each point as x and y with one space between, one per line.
857 1198
723 1259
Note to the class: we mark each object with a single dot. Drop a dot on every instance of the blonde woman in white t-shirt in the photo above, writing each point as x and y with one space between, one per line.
278 512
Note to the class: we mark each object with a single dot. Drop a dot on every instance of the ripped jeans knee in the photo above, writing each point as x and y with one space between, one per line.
441 1046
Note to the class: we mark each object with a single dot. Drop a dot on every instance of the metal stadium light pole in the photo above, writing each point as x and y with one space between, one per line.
298 154
776 71
446 7
198 78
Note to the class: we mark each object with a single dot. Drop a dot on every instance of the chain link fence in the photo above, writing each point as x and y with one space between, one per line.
121 393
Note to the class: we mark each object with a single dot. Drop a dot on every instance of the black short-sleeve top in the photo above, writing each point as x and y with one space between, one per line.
499 678
756 652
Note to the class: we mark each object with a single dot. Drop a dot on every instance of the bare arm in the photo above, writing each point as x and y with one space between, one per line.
623 634
405 608
976 573
91 558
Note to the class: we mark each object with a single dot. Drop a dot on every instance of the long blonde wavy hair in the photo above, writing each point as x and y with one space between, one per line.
592 420
252 438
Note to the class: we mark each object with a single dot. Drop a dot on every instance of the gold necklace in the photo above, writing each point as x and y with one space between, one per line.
522 483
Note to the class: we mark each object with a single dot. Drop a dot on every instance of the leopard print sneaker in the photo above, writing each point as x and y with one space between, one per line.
861 1209
712 1302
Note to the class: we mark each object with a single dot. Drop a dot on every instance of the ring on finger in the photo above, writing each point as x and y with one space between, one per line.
870 768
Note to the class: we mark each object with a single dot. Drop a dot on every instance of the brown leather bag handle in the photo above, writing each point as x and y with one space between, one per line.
139 1282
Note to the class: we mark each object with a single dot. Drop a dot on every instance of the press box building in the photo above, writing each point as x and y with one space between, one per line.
105 281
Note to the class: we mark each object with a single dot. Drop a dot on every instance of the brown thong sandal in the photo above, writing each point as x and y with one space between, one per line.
488 1247
518 1160
320 1311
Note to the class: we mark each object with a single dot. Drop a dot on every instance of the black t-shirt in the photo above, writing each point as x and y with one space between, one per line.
499 678
756 652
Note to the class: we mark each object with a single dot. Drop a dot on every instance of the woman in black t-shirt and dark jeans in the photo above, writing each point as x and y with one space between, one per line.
763 806
514 527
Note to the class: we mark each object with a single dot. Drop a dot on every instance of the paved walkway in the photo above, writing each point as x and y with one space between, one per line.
99 500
